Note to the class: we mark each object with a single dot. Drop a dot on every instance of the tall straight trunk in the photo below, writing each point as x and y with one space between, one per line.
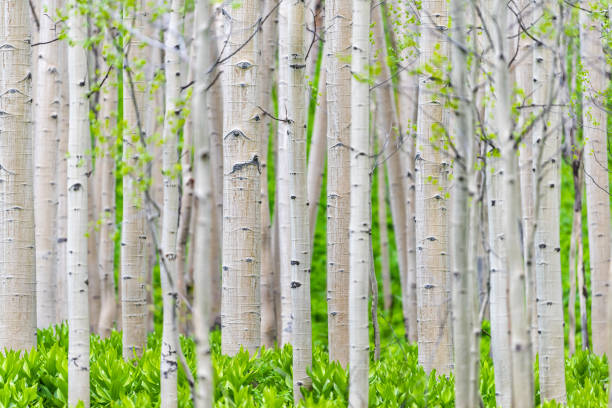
432 169
317 154
106 167
385 269
338 45
301 338
169 347
573 255
463 266
524 79
241 297
547 178
18 271
78 147
45 156
360 228
133 225
282 181
93 279
596 170
205 221
520 352
61 180
269 41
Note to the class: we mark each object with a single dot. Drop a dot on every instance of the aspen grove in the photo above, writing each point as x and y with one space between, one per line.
309 203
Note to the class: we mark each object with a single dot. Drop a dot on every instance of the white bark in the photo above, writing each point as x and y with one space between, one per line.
18 269
360 228
45 155
337 47
240 304
431 205
78 147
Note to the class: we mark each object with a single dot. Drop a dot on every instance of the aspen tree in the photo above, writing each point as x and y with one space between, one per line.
301 339
546 144
106 251
520 353
462 248
431 205
240 304
360 229
78 169
338 88
133 226
45 155
596 170
282 181
382 227
18 269
169 347
575 241
205 215
269 41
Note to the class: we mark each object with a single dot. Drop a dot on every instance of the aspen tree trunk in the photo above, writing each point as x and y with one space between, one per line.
524 78
432 168
301 338
18 268
547 143
460 226
205 220
268 40
282 181
338 43
384 233
317 155
106 251
169 347
78 167
596 170
93 279
45 155
133 225
241 305
573 266
61 180
360 228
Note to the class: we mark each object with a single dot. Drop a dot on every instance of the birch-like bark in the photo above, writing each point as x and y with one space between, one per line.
547 178
133 225
383 229
205 220
106 251
18 268
301 338
596 171
45 155
169 347
360 228
573 255
338 88
269 41
282 181
78 168
431 205
241 296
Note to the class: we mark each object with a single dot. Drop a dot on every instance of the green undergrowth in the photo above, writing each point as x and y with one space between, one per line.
39 378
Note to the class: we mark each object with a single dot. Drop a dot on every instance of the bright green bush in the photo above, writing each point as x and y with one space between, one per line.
39 378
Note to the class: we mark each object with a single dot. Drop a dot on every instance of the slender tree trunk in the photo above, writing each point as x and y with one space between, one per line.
360 228
547 142
384 233
169 348
106 251
282 181
268 47
133 226
338 45
576 225
205 221
241 301
431 204
78 168
596 171
45 155
93 278
18 270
